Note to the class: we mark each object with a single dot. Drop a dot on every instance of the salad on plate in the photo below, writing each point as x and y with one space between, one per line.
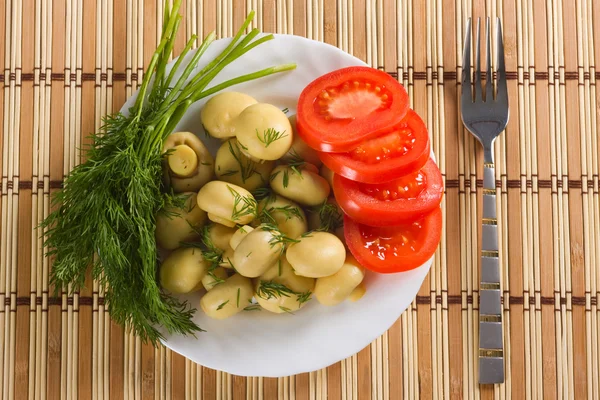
289 208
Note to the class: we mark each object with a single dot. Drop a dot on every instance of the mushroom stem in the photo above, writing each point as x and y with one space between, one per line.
183 161
357 293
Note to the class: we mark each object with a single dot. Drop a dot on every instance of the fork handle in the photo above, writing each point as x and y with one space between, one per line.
491 354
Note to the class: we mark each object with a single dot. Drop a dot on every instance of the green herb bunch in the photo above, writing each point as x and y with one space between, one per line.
104 214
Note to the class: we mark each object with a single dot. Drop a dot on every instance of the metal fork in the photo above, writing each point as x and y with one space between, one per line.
486 118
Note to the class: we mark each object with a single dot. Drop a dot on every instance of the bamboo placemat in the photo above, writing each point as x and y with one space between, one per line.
68 62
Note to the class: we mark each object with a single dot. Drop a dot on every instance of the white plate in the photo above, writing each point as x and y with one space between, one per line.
264 344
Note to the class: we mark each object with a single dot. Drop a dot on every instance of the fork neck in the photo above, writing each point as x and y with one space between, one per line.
488 154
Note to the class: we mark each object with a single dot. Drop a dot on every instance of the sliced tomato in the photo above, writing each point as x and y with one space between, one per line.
394 248
394 202
342 108
403 149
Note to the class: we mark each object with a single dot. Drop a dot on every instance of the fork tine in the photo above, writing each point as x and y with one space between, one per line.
489 89
478 64
502 93
466 95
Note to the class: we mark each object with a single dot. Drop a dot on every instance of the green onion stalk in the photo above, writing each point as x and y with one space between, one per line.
104 216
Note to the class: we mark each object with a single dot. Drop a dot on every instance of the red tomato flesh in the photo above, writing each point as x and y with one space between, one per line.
394 202
399 151
342 108
394 248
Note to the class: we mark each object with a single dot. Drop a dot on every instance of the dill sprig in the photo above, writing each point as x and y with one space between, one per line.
330 216
269 136
295 165
286 178
296 169
263 193
230 172
104 216
294 158
223 304
270 289
216 280
174 202
209 252
231 264
242 205
253 307
266 217
288 211
304 297
212 254
278 237
247 167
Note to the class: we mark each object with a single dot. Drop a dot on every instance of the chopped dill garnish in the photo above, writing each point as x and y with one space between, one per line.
230 172
271 289
212 254
266 215
278 237
296 166
242 205
294 158
216 280
286 178
253 307
173 203
273 176
285 110
264 193
296 169
238 297
304 297
211 271
330 216
223 304
288 211
231 264
296 163
269 136
306 234
247 167
285 309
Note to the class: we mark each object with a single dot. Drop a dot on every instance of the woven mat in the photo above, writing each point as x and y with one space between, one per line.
66 63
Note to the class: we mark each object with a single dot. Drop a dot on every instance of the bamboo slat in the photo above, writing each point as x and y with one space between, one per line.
66 63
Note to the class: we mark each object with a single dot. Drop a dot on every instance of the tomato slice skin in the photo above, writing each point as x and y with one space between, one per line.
423 238
405 200
342 108
351 166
